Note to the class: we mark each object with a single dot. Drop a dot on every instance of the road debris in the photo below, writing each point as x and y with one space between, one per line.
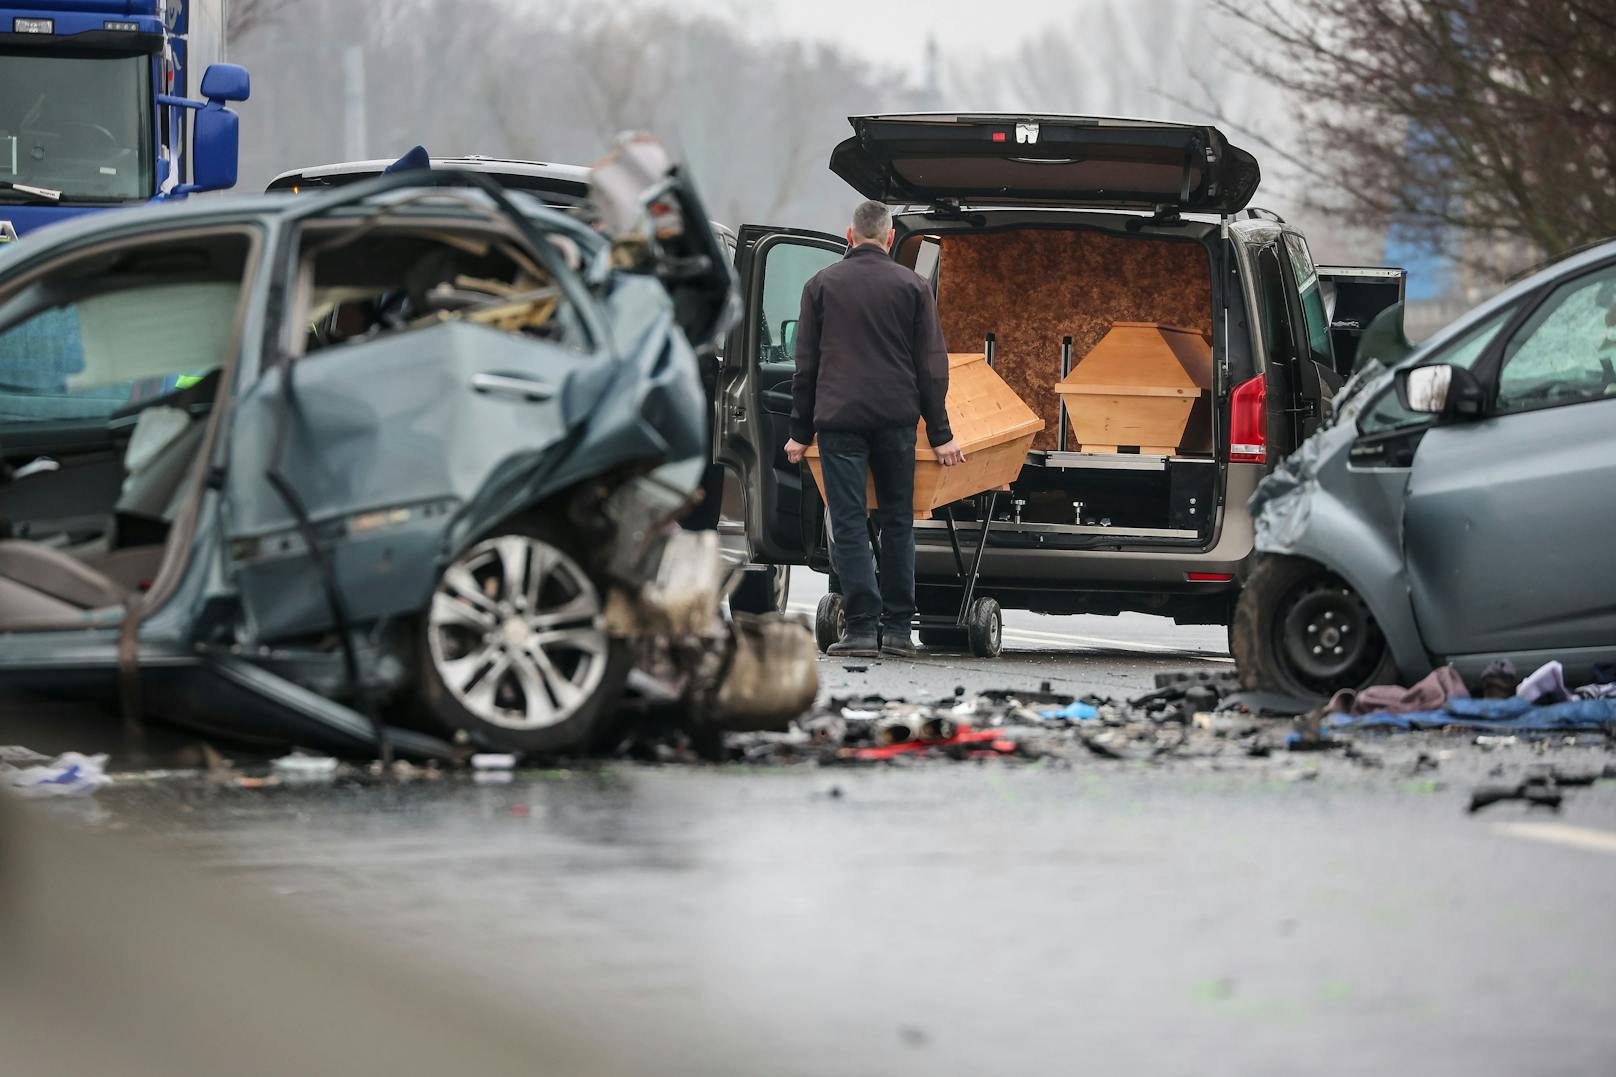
1539 791
300 769
68 775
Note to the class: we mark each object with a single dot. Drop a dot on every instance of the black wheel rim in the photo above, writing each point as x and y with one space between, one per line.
1327 636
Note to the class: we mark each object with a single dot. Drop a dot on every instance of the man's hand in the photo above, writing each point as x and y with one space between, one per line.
794 450
948 454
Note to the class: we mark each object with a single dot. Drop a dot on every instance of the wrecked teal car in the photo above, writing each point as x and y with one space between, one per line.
397 463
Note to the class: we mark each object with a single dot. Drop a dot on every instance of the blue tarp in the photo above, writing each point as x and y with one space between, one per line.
1074 711
1490 715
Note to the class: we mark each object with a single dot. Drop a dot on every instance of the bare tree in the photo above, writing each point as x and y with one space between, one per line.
242 17
753 116
1462 123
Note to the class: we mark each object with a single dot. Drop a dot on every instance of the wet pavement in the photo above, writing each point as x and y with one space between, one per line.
1111 656
1298 914
975 918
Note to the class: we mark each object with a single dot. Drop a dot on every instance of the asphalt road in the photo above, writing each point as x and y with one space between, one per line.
1221 916
1110 656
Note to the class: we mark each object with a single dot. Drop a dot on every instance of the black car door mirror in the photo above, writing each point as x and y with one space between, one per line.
1440 389
788 337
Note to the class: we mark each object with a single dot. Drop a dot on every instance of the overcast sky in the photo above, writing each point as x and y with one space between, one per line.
895 32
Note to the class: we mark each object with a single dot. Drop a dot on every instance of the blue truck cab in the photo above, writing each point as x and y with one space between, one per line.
94 111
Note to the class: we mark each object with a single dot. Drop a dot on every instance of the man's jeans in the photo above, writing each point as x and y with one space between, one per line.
888 455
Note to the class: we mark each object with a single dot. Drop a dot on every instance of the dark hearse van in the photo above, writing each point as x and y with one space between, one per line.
1038 234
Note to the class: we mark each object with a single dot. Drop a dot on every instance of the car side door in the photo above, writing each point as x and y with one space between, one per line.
1509 518
754 401
1295 394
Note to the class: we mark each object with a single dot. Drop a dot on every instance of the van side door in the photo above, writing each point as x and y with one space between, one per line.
753 418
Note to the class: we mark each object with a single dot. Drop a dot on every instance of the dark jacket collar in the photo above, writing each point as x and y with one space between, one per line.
866 248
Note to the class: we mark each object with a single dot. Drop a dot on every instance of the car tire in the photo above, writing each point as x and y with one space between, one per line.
514 650
762 591
830 619
984 625
1302 630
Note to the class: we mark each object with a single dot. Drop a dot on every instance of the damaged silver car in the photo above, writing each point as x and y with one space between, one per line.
1461 508
393 465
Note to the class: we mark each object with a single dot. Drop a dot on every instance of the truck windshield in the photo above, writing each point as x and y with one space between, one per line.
76 122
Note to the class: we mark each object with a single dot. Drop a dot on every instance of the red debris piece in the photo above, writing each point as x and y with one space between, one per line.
965 736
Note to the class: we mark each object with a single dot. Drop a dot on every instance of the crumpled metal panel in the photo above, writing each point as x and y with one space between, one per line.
400 459
1314 505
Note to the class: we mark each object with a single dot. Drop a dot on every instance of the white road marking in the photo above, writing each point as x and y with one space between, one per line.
1576 837
1027 635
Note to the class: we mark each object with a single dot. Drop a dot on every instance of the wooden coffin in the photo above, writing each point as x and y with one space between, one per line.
993 426
1138 387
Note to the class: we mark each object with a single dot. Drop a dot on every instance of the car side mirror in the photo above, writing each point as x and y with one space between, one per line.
1440 389
215 129
788 336
216 138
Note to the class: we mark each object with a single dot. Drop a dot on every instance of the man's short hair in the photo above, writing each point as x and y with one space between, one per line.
872 220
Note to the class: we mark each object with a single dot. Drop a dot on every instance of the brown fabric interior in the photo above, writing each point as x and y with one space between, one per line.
1030 288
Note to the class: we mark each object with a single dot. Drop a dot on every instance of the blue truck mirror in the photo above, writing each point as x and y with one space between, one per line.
216 142
226 82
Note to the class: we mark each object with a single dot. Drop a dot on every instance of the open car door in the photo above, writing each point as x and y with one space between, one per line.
752 421
1355 296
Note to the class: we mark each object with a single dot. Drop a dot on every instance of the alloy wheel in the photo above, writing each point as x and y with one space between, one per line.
515 633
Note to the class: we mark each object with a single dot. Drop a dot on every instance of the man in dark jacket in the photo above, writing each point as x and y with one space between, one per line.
871 363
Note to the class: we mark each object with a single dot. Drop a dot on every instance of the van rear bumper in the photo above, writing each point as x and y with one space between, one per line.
1143 578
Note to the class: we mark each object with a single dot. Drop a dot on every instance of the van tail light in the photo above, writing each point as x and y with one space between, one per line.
1248 422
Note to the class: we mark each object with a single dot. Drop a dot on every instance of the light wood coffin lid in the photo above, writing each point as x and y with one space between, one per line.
993 425
1143 359
982 410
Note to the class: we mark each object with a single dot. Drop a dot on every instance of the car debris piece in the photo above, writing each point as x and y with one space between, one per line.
772 676
70 774
300 769
1537 792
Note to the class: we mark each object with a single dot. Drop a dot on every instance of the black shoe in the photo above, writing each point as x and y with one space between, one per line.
900 647
851 646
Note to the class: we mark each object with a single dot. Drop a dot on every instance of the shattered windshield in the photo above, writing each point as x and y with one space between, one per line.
75 122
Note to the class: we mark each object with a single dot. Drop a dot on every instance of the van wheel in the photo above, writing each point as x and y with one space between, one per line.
764 591
516 654
984 624
1300 629
830 618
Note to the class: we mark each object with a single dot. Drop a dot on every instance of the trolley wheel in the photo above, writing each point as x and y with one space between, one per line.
945 639
985 625
829 619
